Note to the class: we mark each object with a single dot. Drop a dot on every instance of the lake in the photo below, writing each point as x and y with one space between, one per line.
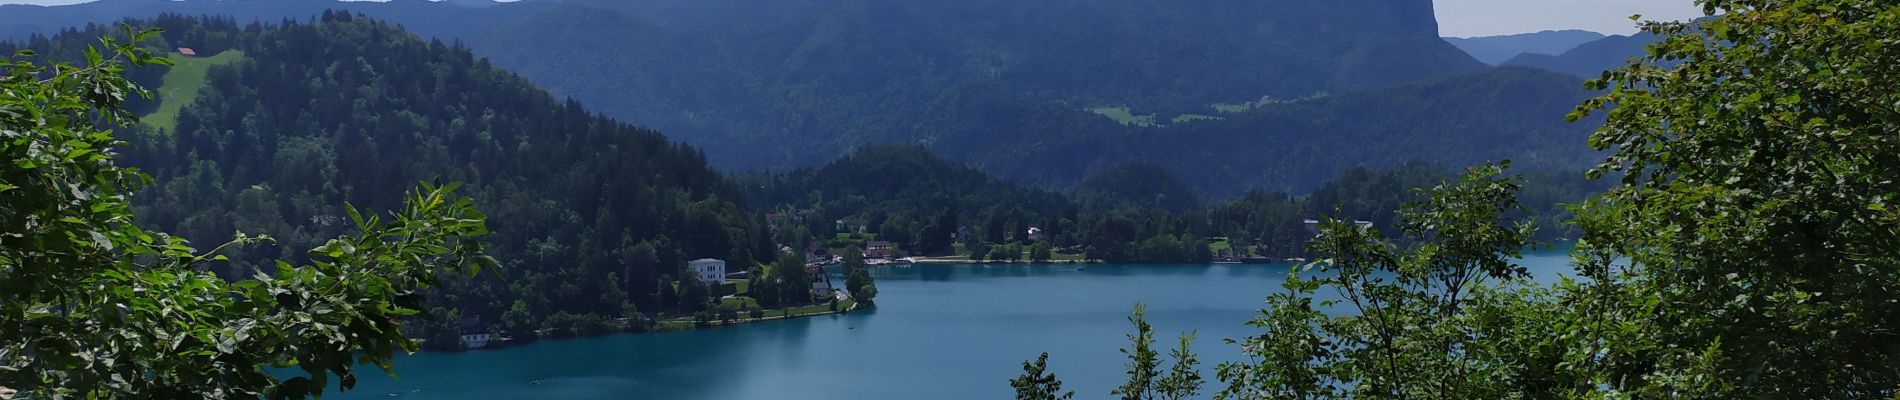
941 332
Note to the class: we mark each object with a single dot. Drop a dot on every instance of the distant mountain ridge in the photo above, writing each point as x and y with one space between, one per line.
1589 60
1496 50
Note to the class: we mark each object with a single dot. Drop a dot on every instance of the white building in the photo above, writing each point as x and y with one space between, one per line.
711 271
474 335
820 281
472 340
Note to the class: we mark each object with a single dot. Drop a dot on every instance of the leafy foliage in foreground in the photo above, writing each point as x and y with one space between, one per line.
1414 323
1760 150
94 306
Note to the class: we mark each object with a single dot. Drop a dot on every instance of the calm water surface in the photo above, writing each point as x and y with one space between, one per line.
941 332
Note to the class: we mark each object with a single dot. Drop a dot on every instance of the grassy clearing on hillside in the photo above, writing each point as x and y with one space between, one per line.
1193 117
1125 117
181 86
1233 108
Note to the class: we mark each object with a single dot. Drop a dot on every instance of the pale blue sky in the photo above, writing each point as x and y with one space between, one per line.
1463 18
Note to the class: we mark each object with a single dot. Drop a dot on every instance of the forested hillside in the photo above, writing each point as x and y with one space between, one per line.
819 78
1503 113
1136 185
593 217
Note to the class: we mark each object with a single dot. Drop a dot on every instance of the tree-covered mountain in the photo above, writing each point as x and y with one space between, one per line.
593 217
1294 146
822 77
1589 60
787 84
1496 50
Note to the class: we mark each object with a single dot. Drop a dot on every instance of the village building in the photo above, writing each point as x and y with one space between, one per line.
474 335
187 52
878 249
711 271
1313 225
1034 234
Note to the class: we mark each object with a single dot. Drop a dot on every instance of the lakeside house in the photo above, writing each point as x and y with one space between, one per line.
474 335
816 253
820 281
711 271
1034 234
475 340
878 249
1312 225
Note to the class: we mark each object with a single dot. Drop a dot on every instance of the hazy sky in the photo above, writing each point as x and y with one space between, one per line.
1462 18
1488 17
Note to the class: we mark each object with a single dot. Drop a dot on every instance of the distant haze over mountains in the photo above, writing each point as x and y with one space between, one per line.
1589 60
1495 50
1248 94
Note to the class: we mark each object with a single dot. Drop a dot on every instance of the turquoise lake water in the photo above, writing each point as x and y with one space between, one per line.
941 332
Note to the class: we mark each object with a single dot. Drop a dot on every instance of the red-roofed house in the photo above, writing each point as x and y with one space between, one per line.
187 52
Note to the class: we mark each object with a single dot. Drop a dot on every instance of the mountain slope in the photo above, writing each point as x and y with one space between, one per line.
778 84
1004 85
832 75
1496 50
1503 113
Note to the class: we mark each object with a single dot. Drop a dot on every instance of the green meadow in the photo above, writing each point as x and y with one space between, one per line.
181 86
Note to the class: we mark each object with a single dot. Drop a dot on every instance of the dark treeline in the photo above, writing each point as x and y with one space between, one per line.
928 206
595 218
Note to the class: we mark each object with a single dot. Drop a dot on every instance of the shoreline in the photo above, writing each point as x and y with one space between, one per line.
692 325
943 260
660 326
